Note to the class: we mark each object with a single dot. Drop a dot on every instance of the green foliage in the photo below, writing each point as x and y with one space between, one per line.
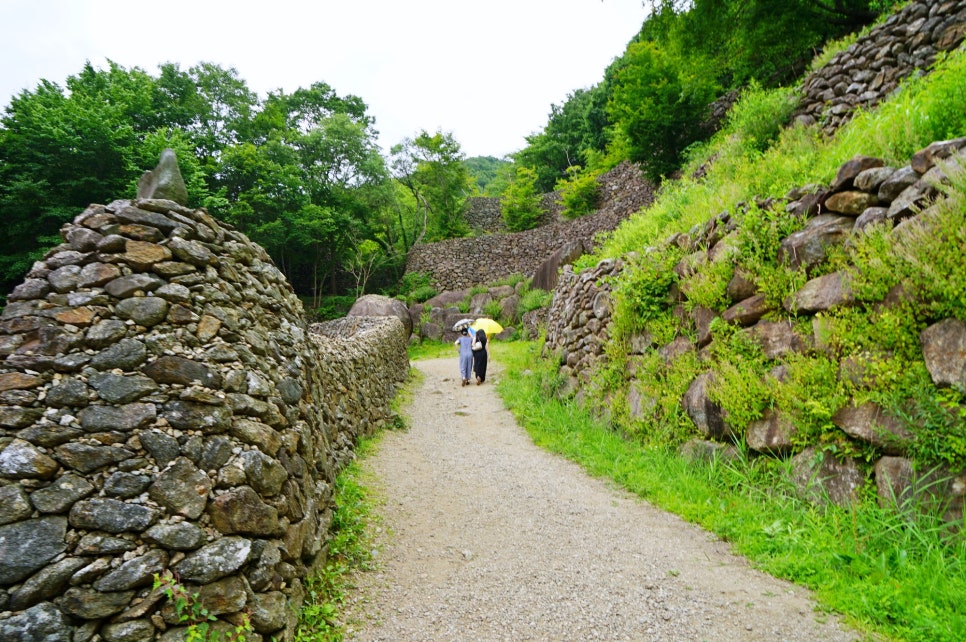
520 203
350 551
579 193
334 307
191 613
642 291
760 115
658 103
431 167
739 385
493 310
894 574
489 175
661 386
575 131
534 299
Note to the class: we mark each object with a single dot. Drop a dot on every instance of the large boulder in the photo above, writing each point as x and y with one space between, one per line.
376 305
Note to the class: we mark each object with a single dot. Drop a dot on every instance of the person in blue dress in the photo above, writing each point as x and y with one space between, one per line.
465 345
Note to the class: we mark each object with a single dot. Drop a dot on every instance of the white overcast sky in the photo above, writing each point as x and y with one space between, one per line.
487 72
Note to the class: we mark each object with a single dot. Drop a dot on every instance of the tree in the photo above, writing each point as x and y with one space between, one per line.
431 168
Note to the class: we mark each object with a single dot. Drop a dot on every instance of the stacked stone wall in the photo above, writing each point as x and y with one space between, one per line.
871 69
166 412
864 193
459 264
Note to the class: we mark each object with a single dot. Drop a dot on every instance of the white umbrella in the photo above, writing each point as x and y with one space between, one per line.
462 323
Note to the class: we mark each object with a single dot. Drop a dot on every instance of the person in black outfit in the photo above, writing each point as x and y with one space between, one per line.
480 357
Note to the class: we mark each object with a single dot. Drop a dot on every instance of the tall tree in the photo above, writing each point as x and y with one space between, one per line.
431 167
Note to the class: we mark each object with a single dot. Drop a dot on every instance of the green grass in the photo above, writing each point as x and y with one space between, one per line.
892 575
924 110
350 551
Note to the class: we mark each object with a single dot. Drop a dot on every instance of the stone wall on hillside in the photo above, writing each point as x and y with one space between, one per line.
864 193
165 411
871 68
458 264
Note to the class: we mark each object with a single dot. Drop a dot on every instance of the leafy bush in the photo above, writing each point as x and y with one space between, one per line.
334 307
493 310
760 115
422 293
520 202
534 299
579 193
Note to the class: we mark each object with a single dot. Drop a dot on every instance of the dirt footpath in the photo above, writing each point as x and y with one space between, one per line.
488 537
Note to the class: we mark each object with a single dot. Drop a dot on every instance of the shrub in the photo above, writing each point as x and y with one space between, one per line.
520 202
534 299
579 193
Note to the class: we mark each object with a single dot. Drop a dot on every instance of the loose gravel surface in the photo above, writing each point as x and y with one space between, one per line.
486 536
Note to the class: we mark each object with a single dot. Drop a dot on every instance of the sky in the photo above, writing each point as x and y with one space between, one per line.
486 72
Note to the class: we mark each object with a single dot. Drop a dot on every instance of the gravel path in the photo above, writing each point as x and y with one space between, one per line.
488 537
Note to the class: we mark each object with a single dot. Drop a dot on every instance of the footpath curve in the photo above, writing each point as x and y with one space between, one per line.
488 537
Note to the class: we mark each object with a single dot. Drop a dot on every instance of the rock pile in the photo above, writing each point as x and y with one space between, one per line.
871 69
165 412
865 192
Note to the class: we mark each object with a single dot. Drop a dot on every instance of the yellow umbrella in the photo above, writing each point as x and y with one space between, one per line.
489 326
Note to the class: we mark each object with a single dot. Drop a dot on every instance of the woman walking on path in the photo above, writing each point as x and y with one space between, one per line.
465 345
480 357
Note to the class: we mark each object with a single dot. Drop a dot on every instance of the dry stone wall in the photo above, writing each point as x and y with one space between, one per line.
459 264
868 71
865 192
165 411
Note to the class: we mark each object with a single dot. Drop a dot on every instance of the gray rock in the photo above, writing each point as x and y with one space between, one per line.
121 389
126 354
707 416
227 595
897 183
820 477
94 605
178 370
215 560
14 504
376 305
131 631
774 433
111 515
777 338
822 293
126 485
163 448
30 289
944 349
100 544
807 247
748 311
258 434
182 489
104 333
215 453
41 623
87 458
185 415
27 546
180 536
65 279
21 459
47 583
269 611
133 573
95 275
265 474
17 417
164 181
869 422
59 496
69 393
123 418
191 252
127 286
145 310
241 511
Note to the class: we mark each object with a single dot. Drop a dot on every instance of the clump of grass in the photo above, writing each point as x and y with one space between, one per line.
350 551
